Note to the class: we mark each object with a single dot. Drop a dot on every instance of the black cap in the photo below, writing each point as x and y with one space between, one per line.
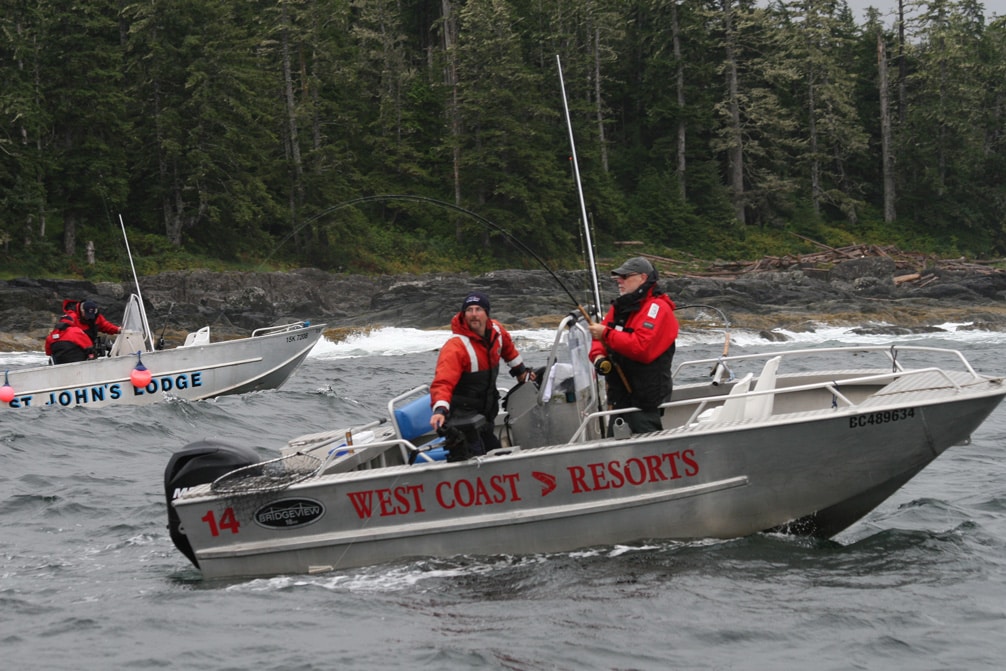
476 298
89 309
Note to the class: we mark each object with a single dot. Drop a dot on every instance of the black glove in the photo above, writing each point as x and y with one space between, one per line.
517 371
442 429
602 365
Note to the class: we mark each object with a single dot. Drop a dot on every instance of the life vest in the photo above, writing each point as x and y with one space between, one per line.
651 381
467 368
477 393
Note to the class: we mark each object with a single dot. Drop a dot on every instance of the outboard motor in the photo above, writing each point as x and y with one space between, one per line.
199 463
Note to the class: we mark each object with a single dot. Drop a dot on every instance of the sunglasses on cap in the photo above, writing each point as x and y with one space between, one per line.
618 276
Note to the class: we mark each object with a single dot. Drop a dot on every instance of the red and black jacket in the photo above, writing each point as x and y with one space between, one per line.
639 338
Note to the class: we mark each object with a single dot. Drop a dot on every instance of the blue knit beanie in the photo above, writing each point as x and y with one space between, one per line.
476 298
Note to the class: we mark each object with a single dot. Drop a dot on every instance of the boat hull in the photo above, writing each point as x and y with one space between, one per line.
684 483
192 373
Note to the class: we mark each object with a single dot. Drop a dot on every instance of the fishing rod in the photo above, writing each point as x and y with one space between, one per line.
160 340
595 284
721 368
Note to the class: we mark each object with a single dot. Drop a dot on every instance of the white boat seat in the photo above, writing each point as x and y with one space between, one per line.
200 337
732 409
736 408
760 407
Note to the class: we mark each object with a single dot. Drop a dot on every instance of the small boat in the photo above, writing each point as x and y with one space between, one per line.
771 443
801 448
135 372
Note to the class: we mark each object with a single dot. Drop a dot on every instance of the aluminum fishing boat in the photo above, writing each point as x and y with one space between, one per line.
195 370
763 443
800 448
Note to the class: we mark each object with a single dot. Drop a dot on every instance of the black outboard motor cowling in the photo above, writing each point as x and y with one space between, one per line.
199 463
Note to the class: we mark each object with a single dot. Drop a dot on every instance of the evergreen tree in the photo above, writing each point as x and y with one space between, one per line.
818 38
943 141
79 112
231 128
24 163
508 165
214 108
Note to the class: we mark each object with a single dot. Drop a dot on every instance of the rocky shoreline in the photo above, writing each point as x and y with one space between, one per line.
854 292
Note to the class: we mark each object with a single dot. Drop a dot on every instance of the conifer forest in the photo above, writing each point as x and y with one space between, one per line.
375 135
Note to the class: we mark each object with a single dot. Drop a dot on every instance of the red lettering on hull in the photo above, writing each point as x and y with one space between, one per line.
390 501
599 476
449 495
465 493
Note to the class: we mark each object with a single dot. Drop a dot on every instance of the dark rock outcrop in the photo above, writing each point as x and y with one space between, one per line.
235 303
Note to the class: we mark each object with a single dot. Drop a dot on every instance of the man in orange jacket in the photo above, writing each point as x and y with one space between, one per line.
464 384
634 344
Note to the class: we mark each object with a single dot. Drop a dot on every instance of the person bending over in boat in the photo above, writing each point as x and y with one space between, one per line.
464 384
76 332
68 344
634 344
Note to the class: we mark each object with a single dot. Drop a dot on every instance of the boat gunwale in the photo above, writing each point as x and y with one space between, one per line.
830 384
204 492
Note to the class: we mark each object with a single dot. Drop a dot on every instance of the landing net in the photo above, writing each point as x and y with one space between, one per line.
248 488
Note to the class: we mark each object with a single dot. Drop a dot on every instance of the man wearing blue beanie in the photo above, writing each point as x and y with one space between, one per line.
464 384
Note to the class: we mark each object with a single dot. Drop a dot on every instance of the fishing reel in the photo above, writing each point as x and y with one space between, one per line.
102 347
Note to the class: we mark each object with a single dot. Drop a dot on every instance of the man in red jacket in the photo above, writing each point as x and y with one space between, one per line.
76 332
68 344
464 384
634 344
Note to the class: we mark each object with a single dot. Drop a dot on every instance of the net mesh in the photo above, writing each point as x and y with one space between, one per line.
247 489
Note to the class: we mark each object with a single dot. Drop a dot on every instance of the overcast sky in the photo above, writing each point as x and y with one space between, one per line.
889 7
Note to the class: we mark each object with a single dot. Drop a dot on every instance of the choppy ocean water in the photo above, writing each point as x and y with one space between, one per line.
90 579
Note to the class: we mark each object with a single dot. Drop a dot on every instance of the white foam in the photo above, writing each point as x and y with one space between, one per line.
394 341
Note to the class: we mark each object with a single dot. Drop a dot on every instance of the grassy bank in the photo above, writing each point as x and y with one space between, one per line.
403 254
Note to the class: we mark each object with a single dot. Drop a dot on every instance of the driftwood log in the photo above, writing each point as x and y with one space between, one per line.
914 268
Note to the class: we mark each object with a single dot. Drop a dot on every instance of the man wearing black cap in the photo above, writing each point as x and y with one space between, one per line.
464 384
634 344
76 332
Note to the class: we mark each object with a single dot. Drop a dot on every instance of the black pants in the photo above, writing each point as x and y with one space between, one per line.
67 352
467 439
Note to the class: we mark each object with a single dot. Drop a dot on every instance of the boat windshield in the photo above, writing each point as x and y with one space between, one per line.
552 414
570 369
132 319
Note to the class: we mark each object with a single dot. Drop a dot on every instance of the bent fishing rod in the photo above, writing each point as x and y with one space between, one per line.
590 249
426 199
